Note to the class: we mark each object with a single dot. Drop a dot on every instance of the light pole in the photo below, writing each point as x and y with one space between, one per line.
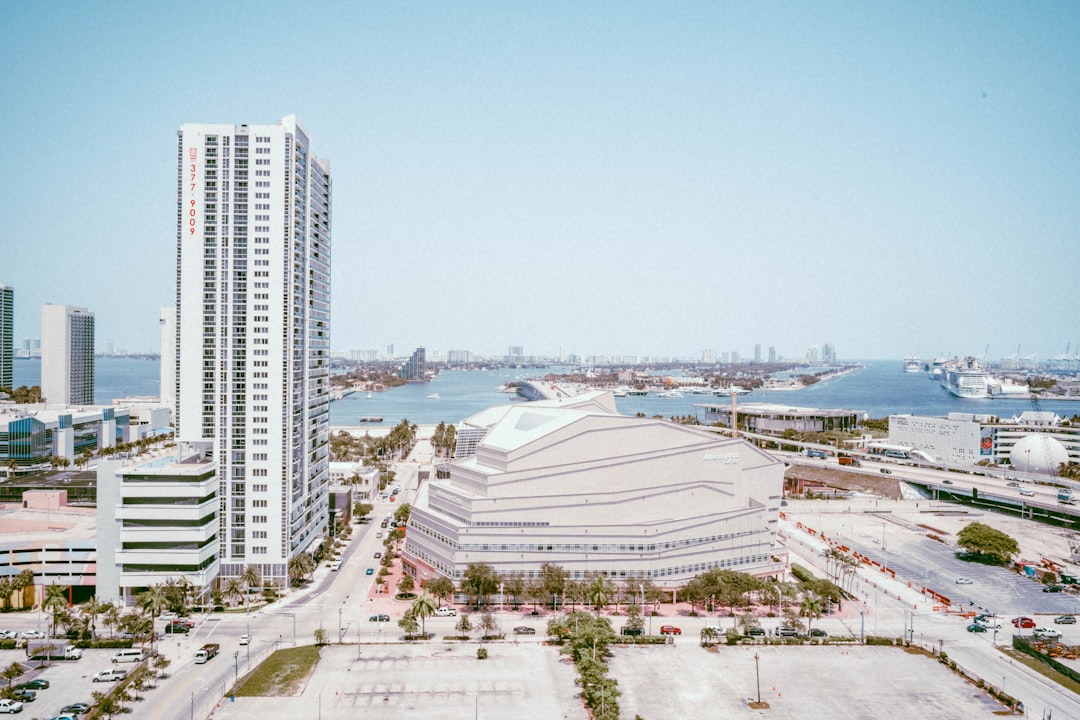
236 666
862 627
339 625
757 675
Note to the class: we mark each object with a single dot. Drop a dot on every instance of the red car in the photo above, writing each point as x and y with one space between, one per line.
1023 622
670 630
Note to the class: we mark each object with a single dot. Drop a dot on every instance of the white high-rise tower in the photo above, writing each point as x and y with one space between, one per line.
67 355
253 333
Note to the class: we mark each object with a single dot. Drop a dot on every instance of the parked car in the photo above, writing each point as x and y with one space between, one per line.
381 617
756 632
74 709
1065 620
23 695
10 706
110 675
818 632
169 616
8 635
176 629
1023 622
1046 633
446 612
976 627
526 630
32 635
670 630
963 581
787 632
378 555
1054 588
245 639
990 623
36 684
335 566
369 571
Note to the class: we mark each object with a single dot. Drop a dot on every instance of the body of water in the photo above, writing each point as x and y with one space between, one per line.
881 388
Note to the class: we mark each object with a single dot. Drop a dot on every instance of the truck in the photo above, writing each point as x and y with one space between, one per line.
847 460
1065 496
206 652
816 453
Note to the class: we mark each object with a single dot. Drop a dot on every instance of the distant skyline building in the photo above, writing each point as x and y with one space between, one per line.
757 354
415 368
253 334
772 354
708 356
7 336
828 353
67 355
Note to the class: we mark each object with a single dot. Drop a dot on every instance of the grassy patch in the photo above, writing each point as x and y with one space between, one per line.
282 674
1043 669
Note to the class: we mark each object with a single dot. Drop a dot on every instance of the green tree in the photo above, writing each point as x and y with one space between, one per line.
423 607
252 578
987 543
11 672
811 608
406 584
441 587
479 581
408 623
320 636
463 624
598 592
56 601
233 589
554 581
490 624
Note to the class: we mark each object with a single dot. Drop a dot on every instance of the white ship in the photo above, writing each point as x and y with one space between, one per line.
912 364
966 379
731 390
669 394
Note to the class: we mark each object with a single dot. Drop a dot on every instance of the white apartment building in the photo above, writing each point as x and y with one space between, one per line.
169 360
67 355
253 333
157 521
574 483
7 334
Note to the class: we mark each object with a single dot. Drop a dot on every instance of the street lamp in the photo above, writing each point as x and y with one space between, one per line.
236 666
757 674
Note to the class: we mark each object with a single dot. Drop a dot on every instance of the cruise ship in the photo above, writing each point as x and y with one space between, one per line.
912 364
966 379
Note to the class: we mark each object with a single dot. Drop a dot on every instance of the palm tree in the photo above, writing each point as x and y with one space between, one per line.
233 588
20 582
91 609
252 577
598 593
56 601
6 588
153 600
111 617
811 608
422 607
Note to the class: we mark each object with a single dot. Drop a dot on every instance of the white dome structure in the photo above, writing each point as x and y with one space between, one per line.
1039 453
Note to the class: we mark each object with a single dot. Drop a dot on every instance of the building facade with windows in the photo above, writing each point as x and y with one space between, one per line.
7 335
32 435
67 355
157 521
253 333
574 483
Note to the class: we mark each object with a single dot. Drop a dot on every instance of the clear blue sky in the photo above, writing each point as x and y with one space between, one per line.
615 178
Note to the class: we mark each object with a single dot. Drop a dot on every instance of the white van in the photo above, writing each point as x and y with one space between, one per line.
335 566
131 655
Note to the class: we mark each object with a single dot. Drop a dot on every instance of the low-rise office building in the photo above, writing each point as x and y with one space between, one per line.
774 419
574 483
31 435
158 520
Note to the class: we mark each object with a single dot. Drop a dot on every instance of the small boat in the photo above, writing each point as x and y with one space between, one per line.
433 396
369 396
638 393
669 394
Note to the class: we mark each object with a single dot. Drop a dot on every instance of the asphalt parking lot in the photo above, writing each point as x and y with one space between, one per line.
799 683
523 681
69 680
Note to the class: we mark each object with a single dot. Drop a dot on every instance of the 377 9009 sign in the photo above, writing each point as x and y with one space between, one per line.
193 155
